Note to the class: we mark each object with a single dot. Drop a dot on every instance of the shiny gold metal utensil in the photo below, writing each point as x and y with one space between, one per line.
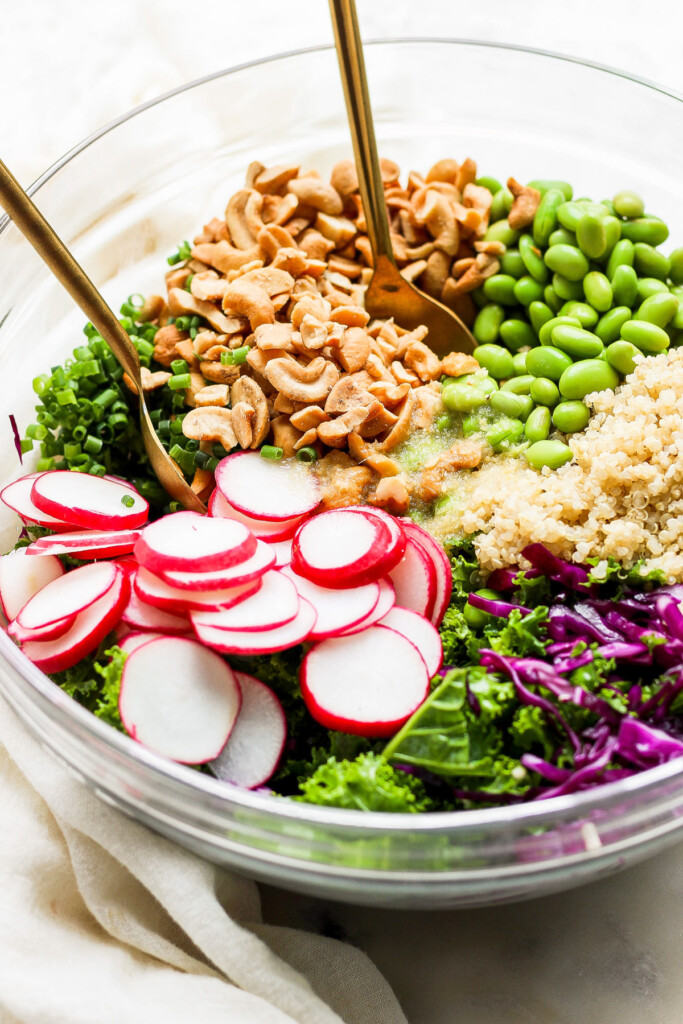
71 275
389 294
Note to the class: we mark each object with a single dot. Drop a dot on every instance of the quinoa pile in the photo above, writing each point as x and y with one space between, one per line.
621 496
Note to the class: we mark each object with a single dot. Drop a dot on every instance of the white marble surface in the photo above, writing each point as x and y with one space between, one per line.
610 952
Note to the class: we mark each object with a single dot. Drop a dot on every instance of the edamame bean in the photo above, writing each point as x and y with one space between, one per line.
628 204
582 312
501 232
622 255
576 342
620 355
500 288
569 214
504 434
487 324
648 286
649 262
552 454
539 314
609 205
519 363
624 286
571 416
480 380
533 258
545 218
496 359
512 264
518 385
609 326
517 333
537 426
598 291
568 261
612 233
562 237
492 184
545 184
659 309
645 336
544 391
528 290
477 618
588 375
570 291
508 404
676 271
551 298
462 397
645 229
590 236
472 425
545 336
501 204
547 361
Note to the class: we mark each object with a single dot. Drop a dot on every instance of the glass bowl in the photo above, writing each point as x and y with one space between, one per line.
123 199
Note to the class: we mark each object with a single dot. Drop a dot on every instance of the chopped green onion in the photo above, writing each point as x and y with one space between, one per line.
92 445
227 359
182 323
180 382
307 455
26 445
184 459
269 451
71 451
188 284
66 397
183 253
239 355
36 432
128 500
105 398
179 366
43 465
191 445
79 432
177 425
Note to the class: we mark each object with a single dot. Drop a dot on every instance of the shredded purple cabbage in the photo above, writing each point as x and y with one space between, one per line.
16 436
569 575
495 607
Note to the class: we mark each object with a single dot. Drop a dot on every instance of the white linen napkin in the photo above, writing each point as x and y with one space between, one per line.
104 922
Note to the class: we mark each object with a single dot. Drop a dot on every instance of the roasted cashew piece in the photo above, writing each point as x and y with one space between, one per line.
344 179
425 363
212 395
246 391
524 206
308 418
274 336
208 286
242 416
434 211
346 394
354 349
285 436
211 424
224 257
314 192
456 364
150 381
309 384
180 302
218 373
443 170
271 180
401 428
335 432
236 220
271 279
310 303
392 494
313 333
246 298
367 455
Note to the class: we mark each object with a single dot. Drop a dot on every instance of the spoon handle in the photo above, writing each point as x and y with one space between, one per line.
352 67
52 250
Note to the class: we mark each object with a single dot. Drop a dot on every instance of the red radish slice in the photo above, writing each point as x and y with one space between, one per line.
283 553
128 564
341 548
159 594
414 580
395 527
420 632
87 544
178 699
337 610
50 631
17 496
188 542
442 566
89 501
274 604
253 751
220 508
266 642
67 595
91 627
267 490
153 620
131 641
21 578
384 605
368 684
260 562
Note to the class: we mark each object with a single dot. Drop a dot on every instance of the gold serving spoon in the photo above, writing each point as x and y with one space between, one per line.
388 294
71 275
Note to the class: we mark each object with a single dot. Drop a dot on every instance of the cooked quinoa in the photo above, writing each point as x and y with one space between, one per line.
622 495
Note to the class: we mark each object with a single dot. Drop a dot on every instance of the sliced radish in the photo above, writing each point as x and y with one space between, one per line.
283 553
89 501
442 567
341 548
260 562
153 620
266 642
87 544
21 578
385 603
264 529
160 594
131 641
274 604
395 527
337 610
50 631
178 699
414 580
128 564
267 490
188 542
65 596
253 751
17 496
91 627
368 684
420 632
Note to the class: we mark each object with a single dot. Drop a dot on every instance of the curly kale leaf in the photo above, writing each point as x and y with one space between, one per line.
368 783
95 682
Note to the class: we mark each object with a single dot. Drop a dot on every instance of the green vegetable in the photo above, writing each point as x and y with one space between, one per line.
517 333
545 218
620 355
500 288
568 261
494 358
624 286
571 416
544 391
269 451
648 262
581 311
586 376
651 230
608 327
628 204
576 342
591 236
598 291
552 454
658 309
537 426
368 783
547 361
487 324
645 336
533 259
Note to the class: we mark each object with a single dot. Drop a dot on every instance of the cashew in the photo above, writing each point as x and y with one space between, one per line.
484 266
435 274
272 180
308 418
313 304
413 270
242 415
335 432
434 211
272 280
425 363
367 454
185 350
274 336
427 404
462 455
346 394
342 480
350 268
392 494
218 373
208 286
294 261
460 266
308 438
197 382
377 369
524 205
249 299
314 192
401 427
378 422
214 231
177 277
402 375
390 395
151 308
443 170
278 210
202 482
350 316
210 424
165 341
283 405
181 302
455 364
212 394
363 246
150 381
246 391
354 349
315 245
309 384
479 199
467 172
339 230
236 220
285 436
493 248
344 178
224 257
313 333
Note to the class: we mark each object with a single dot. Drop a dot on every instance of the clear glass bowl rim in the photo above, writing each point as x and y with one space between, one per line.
644 784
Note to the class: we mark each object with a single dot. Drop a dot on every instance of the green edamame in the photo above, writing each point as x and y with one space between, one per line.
645 229
622 255
504 434
477 618
500 288
544 391
552 454
568 261
462 397
645 336
537 426
598 291
649 262
576 342
569 417
570 291
620 355
562 237
591 237
676 271
581 311
608 327
501 204
545 335
586 376
570 213
492 184
545 218
501 232
517 333
528 290
628 204
624 285
519 385
545 184
547 361
508 404
512 264
659 309
519 363
648 286
612 228
539 314
487 324
533 258
551 298
496 359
